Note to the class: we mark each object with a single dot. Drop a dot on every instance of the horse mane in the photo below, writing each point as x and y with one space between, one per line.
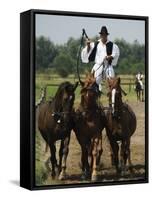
114 83
89 80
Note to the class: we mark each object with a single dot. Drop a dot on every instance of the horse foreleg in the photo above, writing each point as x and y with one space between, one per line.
128 155
53 158
94 155
64 153
112 156
61 154
123 158
138 96
115 158
84 162
142 93
100 150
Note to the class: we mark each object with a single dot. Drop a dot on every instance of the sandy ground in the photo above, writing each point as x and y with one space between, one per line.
106 172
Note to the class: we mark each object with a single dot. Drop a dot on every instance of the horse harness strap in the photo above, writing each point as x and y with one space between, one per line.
119 111
58 115
85 112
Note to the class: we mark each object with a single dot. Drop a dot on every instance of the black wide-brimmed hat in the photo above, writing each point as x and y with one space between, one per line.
104 30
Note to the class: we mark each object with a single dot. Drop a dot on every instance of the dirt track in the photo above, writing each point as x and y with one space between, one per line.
106 172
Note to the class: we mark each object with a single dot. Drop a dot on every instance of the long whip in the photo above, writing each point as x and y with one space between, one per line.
79 52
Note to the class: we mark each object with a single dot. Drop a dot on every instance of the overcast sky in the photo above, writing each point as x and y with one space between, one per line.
60 28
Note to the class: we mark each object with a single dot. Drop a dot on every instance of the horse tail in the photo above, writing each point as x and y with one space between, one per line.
46 147
42 97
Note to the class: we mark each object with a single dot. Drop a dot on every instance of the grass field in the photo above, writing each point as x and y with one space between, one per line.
138 139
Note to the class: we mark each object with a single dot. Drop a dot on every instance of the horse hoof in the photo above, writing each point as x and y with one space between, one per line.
53 176
94 178
118 171
57 171
85 176
62 176
123 173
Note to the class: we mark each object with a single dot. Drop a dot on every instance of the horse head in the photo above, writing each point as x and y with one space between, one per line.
64 100
89 91
115 94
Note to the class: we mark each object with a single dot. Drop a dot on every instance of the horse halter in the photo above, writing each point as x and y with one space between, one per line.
59 115
94 88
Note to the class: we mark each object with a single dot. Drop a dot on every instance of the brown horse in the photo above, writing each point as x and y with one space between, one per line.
55 123
121 124
89 123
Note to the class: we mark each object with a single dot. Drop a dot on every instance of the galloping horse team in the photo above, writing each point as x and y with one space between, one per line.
57 118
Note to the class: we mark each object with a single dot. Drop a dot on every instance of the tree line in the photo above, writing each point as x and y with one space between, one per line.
62 59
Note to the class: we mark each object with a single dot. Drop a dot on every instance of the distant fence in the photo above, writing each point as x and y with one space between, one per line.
130 82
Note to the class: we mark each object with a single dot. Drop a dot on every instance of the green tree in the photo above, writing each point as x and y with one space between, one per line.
63 64
132 57
45 52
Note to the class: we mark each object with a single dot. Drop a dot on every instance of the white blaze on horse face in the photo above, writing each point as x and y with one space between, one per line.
87 94
113 99
71 97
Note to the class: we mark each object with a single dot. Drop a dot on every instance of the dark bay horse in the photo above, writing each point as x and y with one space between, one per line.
55 123
139 90
121 124
89 123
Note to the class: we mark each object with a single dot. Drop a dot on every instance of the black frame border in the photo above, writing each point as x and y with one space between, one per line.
27 167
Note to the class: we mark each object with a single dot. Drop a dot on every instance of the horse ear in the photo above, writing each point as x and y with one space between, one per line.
82 83
87 75
75 86
108 81
118 80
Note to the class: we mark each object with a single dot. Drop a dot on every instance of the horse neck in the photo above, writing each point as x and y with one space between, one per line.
56 104
58 107
119 106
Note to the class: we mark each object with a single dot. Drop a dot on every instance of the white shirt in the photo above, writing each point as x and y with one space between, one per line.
139 76
100 53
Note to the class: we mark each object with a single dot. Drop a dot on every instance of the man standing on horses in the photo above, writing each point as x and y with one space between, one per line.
104 53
